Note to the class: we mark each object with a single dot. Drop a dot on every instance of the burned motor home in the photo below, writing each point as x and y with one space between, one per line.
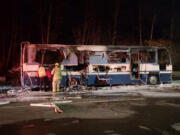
97 64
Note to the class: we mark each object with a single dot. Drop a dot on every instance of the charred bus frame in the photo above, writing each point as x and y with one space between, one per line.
97 64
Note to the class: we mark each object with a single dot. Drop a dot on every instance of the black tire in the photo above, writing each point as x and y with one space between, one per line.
153 80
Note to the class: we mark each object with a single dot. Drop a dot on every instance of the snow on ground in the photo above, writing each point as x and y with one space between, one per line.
16 94
162 90
6 88
176 126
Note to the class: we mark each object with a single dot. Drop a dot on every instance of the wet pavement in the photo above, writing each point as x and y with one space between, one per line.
118 116
120 110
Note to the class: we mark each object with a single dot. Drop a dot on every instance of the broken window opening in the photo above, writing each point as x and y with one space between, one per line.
52 57
118 57
101 68
163 59
97 57
79 63
147 56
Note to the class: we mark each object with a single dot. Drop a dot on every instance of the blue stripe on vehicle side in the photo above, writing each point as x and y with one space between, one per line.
114 79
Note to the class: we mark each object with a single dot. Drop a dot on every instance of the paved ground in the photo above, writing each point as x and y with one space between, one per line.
92 115
121 110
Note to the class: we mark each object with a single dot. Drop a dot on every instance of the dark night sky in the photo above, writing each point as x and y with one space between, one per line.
69 14
26 20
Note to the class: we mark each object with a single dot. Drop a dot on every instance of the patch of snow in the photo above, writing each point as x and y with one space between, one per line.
162 90
175 82
17 94
176 126
5 88
28 95
145 128
51 134
4 102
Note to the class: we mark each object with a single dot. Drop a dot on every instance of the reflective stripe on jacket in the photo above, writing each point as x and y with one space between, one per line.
56 72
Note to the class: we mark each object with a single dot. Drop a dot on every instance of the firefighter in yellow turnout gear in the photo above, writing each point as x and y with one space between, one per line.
57 75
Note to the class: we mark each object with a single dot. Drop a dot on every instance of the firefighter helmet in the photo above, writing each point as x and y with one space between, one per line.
56 64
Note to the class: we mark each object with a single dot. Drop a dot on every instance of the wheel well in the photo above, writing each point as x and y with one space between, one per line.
72 79
154 74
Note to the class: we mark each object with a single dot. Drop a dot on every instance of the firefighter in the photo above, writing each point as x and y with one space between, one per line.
57 75
42 75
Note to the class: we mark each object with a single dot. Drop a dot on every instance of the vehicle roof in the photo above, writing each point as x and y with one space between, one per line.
91 47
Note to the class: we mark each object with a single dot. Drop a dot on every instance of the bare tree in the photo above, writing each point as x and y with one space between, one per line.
84 32
172 20
45 22
12 36
152 26
140 22
49 24
41 23
115 22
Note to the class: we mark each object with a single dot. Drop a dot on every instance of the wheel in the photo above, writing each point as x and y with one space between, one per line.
153 80
73 82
